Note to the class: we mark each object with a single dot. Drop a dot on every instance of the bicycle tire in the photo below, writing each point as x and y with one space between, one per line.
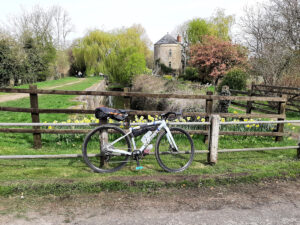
170 160
107 162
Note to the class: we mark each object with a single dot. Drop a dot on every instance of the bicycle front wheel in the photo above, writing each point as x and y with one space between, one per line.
96 154
170 159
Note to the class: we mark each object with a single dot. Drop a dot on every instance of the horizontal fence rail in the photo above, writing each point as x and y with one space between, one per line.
140 113
139 94
292 93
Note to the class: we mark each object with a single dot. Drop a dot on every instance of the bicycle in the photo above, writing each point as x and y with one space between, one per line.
108 148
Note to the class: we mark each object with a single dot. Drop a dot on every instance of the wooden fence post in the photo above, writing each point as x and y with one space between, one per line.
127 99
37 141
127 104
249 103
298 150
208 110
214 130
281 110
103 138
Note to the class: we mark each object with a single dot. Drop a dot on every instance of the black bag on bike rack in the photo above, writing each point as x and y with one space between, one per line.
115 114
143 130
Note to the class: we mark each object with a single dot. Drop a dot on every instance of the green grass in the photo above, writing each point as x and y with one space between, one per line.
46 84
54 176
51 83
46 102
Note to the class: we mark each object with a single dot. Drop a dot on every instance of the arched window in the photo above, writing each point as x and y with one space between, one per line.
170 64
170 52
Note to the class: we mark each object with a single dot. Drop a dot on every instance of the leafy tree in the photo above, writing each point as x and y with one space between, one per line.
217 25
121 54
222 24
9 64
38 34
214 57
198 28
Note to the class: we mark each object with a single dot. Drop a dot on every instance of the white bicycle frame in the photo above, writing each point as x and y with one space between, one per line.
162 125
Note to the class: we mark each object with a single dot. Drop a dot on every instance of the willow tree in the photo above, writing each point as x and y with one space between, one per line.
121 54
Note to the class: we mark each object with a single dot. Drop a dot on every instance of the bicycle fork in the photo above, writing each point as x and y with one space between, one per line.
171 139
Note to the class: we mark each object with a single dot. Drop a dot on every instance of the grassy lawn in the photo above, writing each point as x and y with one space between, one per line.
44 174
50 83
46 102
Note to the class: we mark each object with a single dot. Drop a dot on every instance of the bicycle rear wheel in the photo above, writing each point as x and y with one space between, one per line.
169 159
95 154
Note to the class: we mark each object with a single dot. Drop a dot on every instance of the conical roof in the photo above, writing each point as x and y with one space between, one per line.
167 39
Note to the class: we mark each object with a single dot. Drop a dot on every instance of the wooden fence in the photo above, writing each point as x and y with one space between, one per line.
212 152
292 94
209 99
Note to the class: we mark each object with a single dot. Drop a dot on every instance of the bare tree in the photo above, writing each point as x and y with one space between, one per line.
62 26
53 25
271 32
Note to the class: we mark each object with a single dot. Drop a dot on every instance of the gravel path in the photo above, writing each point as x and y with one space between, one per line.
266 203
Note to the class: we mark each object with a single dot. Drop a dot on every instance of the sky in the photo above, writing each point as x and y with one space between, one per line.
158 17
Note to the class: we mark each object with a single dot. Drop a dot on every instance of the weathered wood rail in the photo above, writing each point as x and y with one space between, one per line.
292 93
209 99
213 137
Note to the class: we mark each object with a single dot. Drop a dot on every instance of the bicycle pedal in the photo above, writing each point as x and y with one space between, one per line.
139 168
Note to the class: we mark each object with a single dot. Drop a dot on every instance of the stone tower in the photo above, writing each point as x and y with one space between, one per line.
168 51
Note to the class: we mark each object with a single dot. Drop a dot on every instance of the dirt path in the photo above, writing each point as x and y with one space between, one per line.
265 203
11 97
89 101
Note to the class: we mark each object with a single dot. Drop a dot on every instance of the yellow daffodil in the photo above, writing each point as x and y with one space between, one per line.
245 120
293 128
188 118
198 117
68 121
257 125
50 127
289 124
235 112
203 120
223 120
248 126
76 121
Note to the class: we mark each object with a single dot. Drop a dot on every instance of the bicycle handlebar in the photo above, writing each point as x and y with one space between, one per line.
167 114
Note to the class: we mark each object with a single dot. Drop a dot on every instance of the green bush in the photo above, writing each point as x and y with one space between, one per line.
191 74
236 79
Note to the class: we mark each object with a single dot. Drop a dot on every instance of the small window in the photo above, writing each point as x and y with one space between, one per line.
170 52
170 64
